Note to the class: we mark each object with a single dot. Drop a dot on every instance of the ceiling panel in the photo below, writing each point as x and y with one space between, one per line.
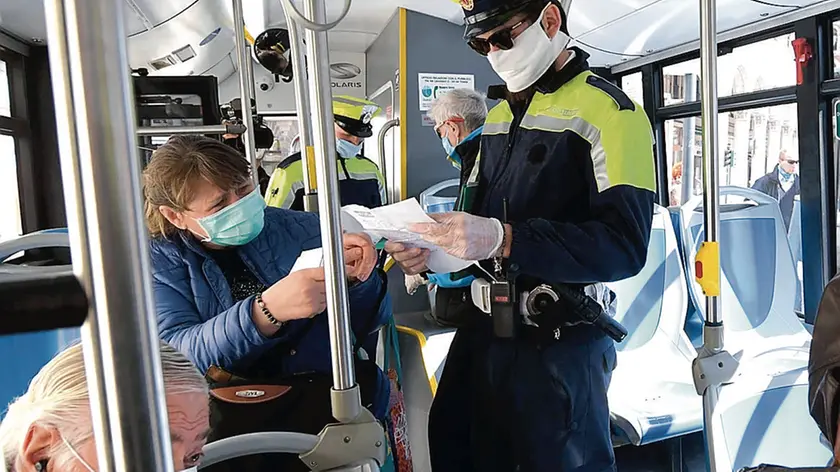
158 11
223 69
133 22
585 16
670 23
188 30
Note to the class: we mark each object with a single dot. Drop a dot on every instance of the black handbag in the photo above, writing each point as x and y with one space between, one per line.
298 403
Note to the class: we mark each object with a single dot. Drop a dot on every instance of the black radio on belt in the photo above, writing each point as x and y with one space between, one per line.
502 309
502 293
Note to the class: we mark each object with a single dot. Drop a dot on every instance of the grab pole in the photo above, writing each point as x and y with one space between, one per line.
101 178
307 151
713 366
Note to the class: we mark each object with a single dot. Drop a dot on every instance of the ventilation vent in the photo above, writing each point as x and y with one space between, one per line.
185 53
163 62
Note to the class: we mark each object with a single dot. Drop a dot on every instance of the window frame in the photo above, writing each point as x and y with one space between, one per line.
19 127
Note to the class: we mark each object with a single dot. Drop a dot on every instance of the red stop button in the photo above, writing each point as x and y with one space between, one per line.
698 269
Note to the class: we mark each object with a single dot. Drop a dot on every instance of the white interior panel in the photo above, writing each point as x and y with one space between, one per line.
158 11
587 16
670 23
188 28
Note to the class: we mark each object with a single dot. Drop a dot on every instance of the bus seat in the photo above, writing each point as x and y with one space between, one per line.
754 417
757 279
423 348
795 240
693 319
432 202
39 347
652 394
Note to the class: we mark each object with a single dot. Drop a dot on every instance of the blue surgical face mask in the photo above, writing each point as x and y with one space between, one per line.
451 152
238 224
346 149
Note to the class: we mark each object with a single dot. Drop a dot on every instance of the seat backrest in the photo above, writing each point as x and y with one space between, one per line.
655 300
753 420
433 203
757 270
37 348
795 240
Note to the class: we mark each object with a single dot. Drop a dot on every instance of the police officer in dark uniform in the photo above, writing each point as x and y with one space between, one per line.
562 198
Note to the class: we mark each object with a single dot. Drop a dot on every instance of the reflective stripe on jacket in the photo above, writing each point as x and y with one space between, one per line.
575 164
360 183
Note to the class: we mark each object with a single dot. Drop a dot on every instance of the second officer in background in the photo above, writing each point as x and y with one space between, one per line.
562 196
359 180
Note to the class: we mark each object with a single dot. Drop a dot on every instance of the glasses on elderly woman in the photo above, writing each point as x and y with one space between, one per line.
454 119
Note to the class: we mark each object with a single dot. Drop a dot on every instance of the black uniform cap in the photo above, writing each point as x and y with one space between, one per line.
481 16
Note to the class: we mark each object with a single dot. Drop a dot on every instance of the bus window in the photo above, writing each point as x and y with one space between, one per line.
759 148
632 86
10 217
751 142
5 95
758 66
835 53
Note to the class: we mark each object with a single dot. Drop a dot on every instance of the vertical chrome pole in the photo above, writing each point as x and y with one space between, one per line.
72 185
310 201
345 407
709 106
713 327
243 60
102 124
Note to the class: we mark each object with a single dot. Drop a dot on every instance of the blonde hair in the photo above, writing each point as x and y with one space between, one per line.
178 166
57 398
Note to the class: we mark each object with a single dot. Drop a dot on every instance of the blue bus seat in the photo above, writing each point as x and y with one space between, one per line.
432 202
423 348
764 419
693 319
795 240
757 280
652 396
40 347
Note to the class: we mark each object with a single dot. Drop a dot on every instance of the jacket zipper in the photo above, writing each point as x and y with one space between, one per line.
514 130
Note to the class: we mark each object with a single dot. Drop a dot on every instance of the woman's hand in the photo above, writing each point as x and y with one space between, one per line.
300 295
359 256
411 260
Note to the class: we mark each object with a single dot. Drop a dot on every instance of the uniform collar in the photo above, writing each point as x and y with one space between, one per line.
552 80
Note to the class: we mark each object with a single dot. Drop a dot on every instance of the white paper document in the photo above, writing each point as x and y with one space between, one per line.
310 259
391 222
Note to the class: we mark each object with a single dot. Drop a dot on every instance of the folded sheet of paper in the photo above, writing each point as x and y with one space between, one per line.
309 260
391 222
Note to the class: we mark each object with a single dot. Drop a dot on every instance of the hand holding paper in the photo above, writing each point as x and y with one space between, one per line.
359 256
392 222
462 235
412 260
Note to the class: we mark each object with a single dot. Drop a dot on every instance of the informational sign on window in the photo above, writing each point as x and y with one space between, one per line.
434 85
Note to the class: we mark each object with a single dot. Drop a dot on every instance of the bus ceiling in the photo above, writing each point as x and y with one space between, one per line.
189 37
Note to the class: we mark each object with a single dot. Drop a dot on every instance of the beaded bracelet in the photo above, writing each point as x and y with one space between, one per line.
271 318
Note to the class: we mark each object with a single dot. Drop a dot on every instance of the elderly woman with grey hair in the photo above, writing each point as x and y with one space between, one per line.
459 120
48 428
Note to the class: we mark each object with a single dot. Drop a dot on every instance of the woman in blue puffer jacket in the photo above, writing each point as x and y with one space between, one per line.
221 260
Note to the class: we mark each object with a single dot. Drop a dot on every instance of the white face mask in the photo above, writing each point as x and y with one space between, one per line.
529 58
88 467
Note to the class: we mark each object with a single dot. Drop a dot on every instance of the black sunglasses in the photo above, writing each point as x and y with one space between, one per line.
502 39
792 161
